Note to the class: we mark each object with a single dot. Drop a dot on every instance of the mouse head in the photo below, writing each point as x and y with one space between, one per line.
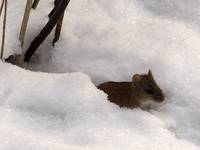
145 87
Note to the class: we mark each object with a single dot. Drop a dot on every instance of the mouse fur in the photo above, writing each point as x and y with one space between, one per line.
137 93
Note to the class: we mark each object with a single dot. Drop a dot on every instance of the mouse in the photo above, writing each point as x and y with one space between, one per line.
140 92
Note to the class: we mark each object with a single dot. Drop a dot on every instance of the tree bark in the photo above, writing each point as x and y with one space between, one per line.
47 29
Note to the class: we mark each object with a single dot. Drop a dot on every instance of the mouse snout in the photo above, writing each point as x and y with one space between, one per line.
159 97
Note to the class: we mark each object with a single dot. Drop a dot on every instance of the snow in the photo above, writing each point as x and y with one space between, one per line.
103 40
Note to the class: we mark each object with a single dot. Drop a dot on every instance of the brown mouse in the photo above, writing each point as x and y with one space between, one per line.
140 91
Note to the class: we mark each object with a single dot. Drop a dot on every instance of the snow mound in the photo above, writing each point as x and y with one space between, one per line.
56 94
66 111
107 40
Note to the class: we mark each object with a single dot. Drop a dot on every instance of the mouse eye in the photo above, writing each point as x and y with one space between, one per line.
149 91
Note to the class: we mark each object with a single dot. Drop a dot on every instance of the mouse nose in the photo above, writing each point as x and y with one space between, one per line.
159 97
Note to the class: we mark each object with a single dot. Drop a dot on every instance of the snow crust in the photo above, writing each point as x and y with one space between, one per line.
103 40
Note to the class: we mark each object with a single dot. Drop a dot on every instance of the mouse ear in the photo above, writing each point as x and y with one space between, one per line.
150 73
137 78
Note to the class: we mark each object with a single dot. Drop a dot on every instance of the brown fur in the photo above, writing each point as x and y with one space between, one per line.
142 89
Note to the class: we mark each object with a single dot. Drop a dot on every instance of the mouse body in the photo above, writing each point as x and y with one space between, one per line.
140 91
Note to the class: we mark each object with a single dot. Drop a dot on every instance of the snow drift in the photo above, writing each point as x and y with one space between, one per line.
105 40
66 111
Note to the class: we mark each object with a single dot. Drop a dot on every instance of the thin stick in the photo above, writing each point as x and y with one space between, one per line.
4 29
46 30
35 3
58 30
25 21
56 3
1 8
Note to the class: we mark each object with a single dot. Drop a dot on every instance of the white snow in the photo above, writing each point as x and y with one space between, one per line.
103 40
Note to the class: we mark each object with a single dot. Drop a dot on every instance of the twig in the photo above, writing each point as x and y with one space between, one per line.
35 3
4 28
1 8
46 30
56 3
25 21
58 30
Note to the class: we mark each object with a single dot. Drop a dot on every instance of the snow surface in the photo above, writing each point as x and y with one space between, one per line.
103 40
